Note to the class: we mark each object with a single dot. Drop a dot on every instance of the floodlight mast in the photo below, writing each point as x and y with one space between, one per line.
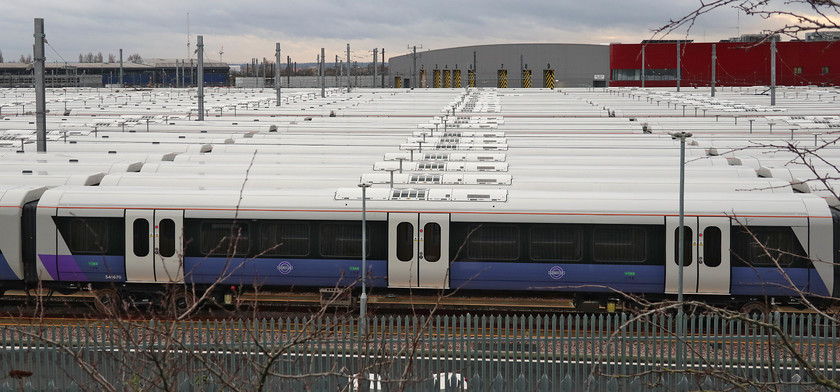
680 249
681 136
363 296
277 71
40 87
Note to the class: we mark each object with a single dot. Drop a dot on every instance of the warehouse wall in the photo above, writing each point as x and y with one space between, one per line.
574 65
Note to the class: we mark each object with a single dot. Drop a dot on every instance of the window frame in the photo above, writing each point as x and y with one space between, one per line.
140 237
630 228
86 226
348 224
219 249
514 244
578 242
268 246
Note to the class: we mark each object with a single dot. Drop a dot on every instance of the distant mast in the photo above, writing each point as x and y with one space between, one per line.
189 54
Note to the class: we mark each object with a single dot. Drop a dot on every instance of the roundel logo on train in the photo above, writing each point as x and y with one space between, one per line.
284 267
556 272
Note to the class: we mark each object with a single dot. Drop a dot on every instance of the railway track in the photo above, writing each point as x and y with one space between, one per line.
17 304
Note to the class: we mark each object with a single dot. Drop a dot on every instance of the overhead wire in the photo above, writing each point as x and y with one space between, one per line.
55 51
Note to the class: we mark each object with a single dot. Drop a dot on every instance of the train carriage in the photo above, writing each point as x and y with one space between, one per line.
587 244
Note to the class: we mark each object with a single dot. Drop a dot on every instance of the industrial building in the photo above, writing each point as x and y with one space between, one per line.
503 65
740 63
148 72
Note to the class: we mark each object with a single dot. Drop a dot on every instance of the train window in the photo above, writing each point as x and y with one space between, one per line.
141 237
224 238
764 246
405 241
88 236
343 239
619 244
494 242
557 242
285 239
688 236
166 237
431 242
712 246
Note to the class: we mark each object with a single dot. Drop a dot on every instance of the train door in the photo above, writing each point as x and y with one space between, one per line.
706 260
418 250
713 261
169 245
139 246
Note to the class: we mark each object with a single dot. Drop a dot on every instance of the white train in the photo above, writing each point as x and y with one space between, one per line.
135 242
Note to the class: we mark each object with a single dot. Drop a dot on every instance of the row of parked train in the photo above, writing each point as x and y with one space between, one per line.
473 211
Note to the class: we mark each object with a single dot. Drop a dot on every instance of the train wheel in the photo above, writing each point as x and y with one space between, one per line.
755 309
182 300
106 300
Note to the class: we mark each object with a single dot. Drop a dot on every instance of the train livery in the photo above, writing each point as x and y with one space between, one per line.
739 246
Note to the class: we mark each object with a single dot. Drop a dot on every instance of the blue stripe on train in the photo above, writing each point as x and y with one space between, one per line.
6 272
284 272
557 277
771 281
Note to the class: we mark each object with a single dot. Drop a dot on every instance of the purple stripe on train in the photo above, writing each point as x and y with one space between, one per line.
84 268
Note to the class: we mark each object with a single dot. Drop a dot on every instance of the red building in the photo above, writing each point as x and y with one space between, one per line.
737 63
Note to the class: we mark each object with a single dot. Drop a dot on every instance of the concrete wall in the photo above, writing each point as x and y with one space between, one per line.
575 65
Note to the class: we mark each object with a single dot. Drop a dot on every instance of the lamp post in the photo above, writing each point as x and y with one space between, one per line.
680 248
682 136
363 297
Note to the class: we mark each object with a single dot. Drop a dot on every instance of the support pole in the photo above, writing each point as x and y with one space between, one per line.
122 81
643 66
414 69
40 87
323 76
289 71
363 297
200 45
772 72
679 67
277 71
348 68
375 74
475 70
383 68
681 251
714 65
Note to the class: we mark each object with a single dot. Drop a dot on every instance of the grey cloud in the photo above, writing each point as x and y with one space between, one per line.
157 28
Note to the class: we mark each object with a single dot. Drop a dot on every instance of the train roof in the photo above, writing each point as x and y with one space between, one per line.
530 144
12 197
51 180
252 202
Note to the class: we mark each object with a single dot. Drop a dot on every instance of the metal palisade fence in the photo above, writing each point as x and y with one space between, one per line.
613 352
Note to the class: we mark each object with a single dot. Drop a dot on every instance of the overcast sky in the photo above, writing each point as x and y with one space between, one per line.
250 28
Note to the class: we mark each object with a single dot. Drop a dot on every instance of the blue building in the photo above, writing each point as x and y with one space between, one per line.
146 73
